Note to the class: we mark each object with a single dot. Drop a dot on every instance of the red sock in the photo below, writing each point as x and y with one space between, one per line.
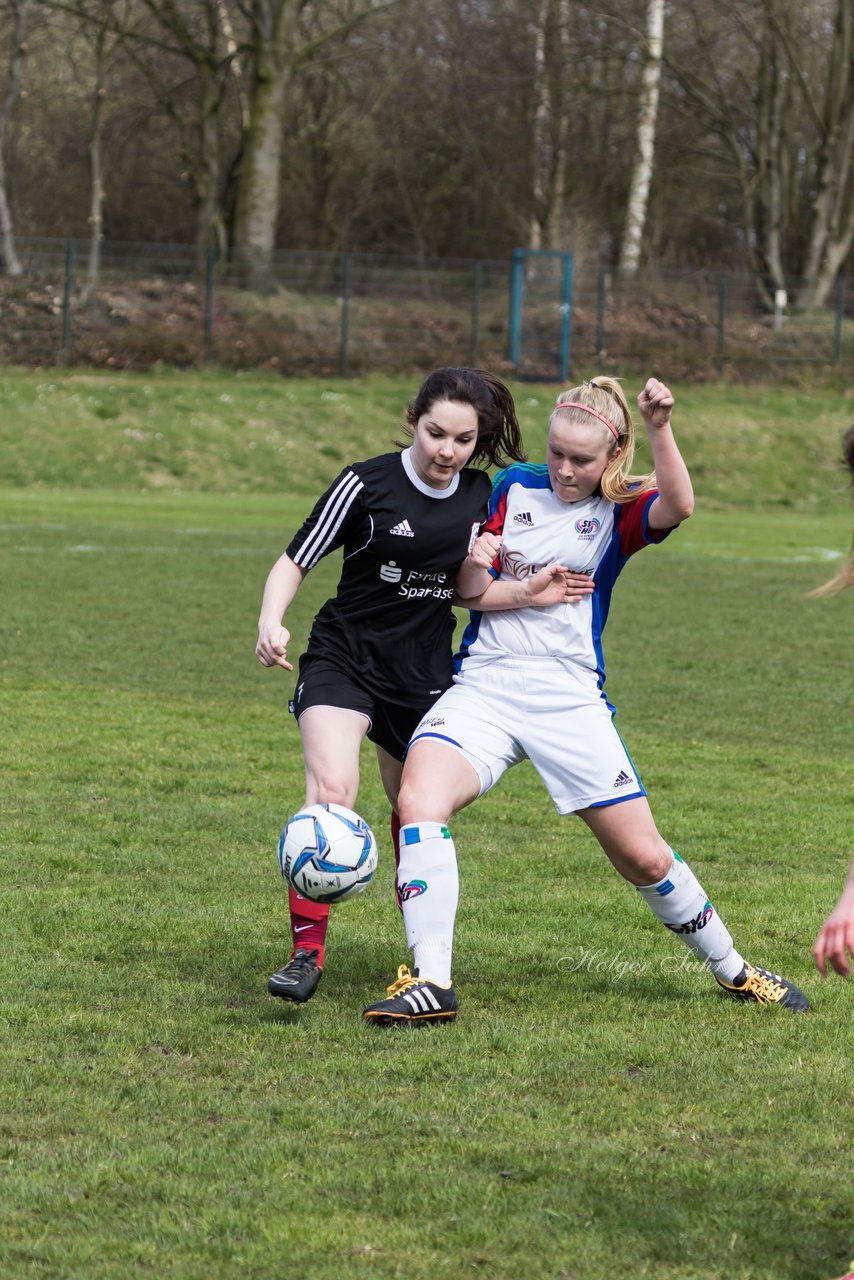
394 826
309 922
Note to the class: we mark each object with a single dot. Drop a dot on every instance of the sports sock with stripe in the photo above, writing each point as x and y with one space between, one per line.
309 922
429 888
680 902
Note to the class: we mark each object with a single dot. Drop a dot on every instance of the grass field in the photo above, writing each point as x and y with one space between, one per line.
599 1109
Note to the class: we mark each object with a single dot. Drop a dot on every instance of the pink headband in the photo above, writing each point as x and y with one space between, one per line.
576 404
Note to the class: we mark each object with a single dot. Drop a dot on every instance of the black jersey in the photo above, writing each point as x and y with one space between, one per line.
391 620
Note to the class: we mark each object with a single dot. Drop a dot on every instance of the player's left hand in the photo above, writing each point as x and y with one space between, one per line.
656 404
555 584
835 942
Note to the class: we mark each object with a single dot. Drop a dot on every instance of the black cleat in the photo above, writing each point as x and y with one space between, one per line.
411 999
766 988
298 980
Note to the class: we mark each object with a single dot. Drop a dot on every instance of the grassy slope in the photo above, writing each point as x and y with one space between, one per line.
749 447
597 1110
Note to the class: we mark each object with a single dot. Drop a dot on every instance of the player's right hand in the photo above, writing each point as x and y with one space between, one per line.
485 550
271 649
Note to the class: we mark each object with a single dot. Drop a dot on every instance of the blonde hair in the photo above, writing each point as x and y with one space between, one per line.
603 398
845 577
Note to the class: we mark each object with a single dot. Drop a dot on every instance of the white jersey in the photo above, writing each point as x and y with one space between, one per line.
537 528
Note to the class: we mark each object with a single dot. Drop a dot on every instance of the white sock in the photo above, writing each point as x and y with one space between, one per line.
429 890
679 901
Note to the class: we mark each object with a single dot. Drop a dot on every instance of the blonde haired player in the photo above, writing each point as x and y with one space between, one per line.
379 652
529 684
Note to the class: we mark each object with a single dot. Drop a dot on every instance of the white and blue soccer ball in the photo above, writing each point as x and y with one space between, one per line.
327 853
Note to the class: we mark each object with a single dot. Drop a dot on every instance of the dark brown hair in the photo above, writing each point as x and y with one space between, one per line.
499 437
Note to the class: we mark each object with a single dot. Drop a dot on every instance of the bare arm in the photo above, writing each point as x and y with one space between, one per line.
554 584
475 587
835 941
280 588
675 500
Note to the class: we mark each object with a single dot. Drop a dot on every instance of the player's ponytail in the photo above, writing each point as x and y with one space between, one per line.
604 398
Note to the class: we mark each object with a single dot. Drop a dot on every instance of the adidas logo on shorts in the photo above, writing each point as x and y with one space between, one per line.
403 530
622 779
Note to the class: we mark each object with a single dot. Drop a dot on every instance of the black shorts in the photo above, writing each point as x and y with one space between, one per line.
322 683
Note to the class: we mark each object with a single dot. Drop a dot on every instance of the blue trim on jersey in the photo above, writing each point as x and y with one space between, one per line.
530 475
469 637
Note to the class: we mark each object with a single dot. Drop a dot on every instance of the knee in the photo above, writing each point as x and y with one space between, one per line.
324 787
418 802
646 864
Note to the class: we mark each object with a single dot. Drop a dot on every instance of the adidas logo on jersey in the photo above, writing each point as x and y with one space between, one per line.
403 530
622 779
524 517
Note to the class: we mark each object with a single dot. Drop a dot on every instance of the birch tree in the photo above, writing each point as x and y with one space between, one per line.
87 29
551 78
642 169
19 12
791 142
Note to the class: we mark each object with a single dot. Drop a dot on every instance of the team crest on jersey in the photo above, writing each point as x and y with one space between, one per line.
587 528
391 572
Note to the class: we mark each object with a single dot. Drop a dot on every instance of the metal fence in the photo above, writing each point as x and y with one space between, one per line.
338 314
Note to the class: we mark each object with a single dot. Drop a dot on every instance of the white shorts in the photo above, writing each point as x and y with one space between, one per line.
504 710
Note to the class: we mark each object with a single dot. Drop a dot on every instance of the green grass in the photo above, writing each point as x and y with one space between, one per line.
750 447
598 1109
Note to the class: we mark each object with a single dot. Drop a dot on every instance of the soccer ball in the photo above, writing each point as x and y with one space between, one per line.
327 853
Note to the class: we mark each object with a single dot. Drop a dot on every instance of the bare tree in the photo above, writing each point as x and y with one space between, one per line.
279 47
19 11
791 155
644 159
832 229
551 80
92 22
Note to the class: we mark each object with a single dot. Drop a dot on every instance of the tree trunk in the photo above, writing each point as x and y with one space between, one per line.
276 54
832 223
638 200
257 208
210 224
550 125
96 167
20 11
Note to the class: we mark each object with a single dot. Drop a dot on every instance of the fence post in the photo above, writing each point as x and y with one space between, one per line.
66 302
514 326
566 317
840 314
476 285
345 313
600 312
721 319
209 291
